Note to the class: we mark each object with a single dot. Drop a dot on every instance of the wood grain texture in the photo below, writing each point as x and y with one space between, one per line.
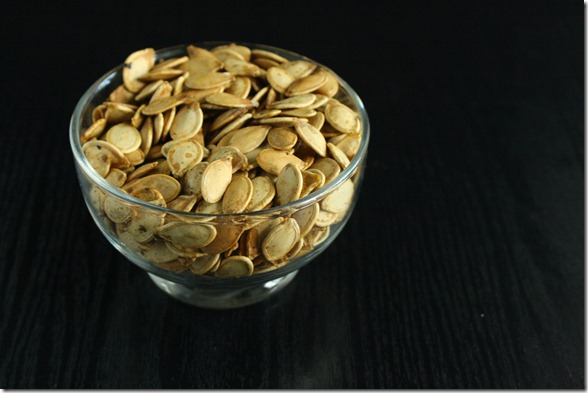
462 266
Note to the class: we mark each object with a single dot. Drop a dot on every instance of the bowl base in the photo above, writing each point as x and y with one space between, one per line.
224 298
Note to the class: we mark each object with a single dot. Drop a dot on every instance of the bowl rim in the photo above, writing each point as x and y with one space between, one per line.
76 124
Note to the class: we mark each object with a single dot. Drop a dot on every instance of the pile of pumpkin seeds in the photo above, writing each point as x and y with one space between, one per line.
226 130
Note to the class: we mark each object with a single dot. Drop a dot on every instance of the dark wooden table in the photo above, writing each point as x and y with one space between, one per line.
461 267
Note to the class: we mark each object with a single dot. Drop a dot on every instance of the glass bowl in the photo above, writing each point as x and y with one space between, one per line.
186 274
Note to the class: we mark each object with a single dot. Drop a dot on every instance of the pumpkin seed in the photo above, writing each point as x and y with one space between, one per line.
238 195
125 137
280 240
273 161
341 117
166 185
300 101
279 79
298 68
187 122
339 200
306 218
203 264
209 80
288 184
263 193
192 180
215 179
338 155
136 65
182 156
307 84
190 235
312 137
249 138
329 167
226 237
282 138
228 100
234 267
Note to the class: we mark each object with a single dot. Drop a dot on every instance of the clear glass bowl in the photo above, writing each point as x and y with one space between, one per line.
171 276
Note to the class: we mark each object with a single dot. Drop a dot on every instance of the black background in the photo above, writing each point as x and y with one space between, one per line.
461 267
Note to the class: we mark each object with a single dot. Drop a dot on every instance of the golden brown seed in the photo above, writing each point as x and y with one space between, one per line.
282 138
338 155
238 195
248 138
209 80
183 155
288 184
312 137
116 112
299 68
300 112
204 207
265 63
279 79
228 100
262 53
187 122
341 117
142 170
312 179
94 131
282 121
187 235
170 63
161 74
263 193
272 161
240 87
122 95
243 51
125 137
349 144
234 267
164 90
329 167
306 218
226 237
325 218
136 65
192 180
166 185
238 159
317 121
266 113
233 125
201 65
163 104
280 240
240 67
331 86
339 200
321 100
305 85
203 264
215 179
136 157
183 203
300 101
157 252
117 210
116 177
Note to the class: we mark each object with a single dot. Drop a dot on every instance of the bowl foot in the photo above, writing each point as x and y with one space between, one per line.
223 298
